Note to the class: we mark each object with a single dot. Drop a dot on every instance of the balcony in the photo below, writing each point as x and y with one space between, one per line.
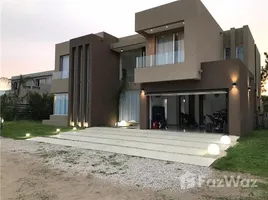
60 82
169 66
60 75
160 59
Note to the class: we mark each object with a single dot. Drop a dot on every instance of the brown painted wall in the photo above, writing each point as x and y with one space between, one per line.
102 84
61 49
215 75
60 85
203 40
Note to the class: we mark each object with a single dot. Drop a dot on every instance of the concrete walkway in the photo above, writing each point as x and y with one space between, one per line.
189 148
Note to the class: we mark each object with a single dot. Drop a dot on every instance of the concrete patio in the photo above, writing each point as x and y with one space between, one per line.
184 147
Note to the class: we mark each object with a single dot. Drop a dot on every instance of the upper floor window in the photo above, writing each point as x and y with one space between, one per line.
227 53
40 81
170 48
64 66
240 52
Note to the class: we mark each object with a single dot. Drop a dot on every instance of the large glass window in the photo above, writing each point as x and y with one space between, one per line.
61 104
165 48
170 49
64 66
128 62
240 52
227 53
179 48
130 106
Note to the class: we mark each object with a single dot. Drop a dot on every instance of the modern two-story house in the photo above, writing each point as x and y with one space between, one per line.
182 67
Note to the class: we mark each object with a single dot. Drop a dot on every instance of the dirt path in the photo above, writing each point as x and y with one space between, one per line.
23 178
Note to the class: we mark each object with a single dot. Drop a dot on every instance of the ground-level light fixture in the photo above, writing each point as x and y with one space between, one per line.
86 124
57 130
213 149
2 120
234 84
74 128
226 140
122 123
27 135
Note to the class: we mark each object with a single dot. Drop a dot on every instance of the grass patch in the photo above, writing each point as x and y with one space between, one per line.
250 155
18 129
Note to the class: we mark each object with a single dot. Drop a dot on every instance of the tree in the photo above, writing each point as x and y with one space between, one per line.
122 88
264 73
40 105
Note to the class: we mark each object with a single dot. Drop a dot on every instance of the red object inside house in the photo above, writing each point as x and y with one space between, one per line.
155 125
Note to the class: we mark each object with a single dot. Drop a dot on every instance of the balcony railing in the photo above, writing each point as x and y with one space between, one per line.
60 75
160 59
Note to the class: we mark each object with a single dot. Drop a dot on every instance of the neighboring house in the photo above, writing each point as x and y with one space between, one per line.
36 82
181 64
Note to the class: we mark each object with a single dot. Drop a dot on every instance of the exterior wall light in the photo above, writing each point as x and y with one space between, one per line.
122 50
234 84
249 88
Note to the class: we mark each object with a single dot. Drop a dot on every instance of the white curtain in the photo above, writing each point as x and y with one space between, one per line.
179 48
65 66
61 104
129 108
240 52
164 49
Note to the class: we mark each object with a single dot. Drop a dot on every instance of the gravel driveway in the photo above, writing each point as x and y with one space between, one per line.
115 168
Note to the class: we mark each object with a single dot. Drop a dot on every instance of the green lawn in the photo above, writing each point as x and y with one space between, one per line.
18 129
250 155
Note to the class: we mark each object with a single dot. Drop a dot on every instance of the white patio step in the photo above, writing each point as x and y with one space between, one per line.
182 158
140 145
190 137
144 140
161 132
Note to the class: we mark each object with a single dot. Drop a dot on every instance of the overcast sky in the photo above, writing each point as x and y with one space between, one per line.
30 28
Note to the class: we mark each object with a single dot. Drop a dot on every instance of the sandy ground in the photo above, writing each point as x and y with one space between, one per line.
28 177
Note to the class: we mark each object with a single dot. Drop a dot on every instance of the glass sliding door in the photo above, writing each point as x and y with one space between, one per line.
164 48
179 48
